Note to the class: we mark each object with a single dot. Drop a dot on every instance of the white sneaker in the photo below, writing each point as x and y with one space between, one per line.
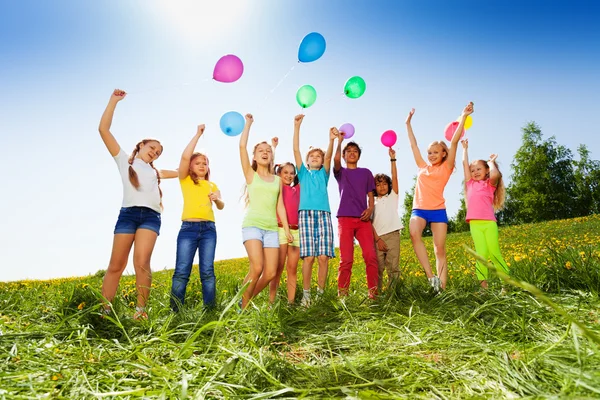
435 283
305 302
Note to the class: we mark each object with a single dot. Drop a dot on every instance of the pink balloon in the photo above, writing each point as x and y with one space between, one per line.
347 129
228 69
450 129
388 138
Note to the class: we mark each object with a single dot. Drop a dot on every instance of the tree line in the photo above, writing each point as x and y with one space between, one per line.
547 183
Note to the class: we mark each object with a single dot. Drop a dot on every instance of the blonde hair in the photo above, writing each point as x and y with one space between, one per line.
315 150
443 145
500 192
193 175
133 177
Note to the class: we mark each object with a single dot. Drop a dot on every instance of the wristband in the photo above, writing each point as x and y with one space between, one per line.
392 159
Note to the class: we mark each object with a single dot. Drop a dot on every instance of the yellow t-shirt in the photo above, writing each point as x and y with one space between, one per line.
196 203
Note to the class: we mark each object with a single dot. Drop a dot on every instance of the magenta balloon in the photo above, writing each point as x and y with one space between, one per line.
347 129
450 129
228 69
388 138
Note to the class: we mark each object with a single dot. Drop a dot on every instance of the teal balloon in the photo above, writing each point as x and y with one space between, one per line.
355 87
306 96
232 123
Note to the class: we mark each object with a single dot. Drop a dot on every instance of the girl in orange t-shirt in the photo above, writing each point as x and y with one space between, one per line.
428 203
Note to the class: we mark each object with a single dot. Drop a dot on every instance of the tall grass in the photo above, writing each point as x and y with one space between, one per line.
410 343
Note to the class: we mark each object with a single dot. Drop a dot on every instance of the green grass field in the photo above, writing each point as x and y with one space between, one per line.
409 343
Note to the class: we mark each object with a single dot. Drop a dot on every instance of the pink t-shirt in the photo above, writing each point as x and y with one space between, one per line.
480 200
291 201
429 191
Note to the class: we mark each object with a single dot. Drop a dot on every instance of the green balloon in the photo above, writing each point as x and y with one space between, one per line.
306 96
355 87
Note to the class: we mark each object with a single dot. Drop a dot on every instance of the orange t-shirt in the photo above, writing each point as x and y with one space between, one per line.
429 191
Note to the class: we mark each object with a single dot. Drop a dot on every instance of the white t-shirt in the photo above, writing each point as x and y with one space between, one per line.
385 214
147 195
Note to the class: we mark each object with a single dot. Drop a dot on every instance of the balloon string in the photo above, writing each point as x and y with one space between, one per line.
333 97
276 86
168 86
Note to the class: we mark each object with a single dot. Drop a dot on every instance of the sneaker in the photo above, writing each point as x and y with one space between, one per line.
140 314
435 283
305 301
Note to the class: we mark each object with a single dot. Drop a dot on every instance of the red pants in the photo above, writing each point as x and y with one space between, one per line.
348 229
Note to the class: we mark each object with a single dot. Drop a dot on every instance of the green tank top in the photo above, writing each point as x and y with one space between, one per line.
262 207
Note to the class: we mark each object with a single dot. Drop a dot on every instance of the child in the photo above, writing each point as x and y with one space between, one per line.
387 224
264 203
291 201
354 216
198 232
484 192
428 203
138 224
316 230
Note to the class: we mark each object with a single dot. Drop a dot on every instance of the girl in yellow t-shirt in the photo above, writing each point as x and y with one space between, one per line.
198 232
428 203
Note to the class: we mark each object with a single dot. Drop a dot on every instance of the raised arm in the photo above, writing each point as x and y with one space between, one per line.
244 159
392 153
333 133
495 175
413 141
468 110
337 158
106 121
168 173
465 160
186 156
297 154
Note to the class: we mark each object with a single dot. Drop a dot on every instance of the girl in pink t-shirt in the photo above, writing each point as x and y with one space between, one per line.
291 250
484 192
428 202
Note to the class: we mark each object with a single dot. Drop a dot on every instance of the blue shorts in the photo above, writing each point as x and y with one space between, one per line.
269 239
431 215
133 218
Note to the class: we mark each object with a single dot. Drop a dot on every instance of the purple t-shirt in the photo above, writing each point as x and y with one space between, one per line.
354 186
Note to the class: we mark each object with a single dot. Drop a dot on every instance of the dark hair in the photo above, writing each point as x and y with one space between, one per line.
382 178
279 168
352 144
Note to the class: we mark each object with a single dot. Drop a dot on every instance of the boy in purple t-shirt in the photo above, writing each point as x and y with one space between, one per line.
354 216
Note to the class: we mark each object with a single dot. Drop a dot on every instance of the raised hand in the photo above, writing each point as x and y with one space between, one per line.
118 95
410 115
392 153
249 118
333 133
298 119
468 110
465 143
493 157
274 142
200 130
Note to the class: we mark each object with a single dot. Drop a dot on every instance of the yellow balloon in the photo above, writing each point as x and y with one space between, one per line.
468 121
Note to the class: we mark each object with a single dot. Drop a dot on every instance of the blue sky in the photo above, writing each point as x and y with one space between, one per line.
519 61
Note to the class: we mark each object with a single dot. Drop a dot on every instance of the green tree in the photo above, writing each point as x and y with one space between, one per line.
459 222
543 181
407 206
587 183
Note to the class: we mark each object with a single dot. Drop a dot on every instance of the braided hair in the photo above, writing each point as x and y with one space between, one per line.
133 177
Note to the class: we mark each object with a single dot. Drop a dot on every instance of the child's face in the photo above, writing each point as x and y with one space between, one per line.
436 154
199 166
315 160
351 155
478 171
263 155
381 187
287 174
150 151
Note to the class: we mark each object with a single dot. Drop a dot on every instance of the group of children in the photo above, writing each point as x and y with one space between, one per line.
288 214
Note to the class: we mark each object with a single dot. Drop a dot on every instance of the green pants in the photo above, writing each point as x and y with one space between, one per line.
485 236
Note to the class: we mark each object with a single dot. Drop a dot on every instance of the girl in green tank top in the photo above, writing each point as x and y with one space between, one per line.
264 203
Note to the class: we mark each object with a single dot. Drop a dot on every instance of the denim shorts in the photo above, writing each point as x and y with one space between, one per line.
269 239
133 218
431 215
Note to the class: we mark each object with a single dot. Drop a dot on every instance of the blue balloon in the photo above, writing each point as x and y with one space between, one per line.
232 123
311 48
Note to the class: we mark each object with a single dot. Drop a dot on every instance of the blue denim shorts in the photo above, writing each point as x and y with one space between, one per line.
133 218
269 239
431 215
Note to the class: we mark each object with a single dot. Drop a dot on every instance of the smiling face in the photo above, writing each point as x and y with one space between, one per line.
351 153
314 159
479 170
263 154
287 174
199 166
436 154
150 150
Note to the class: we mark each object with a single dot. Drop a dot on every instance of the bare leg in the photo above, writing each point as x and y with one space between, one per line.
118 261
439 230
254 249
274 284
145 239
307 265
293 257
271 260
417 224
323 271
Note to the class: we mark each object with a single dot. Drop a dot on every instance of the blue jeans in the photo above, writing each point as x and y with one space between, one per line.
201 236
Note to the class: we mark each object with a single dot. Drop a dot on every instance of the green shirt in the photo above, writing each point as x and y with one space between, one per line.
262 207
